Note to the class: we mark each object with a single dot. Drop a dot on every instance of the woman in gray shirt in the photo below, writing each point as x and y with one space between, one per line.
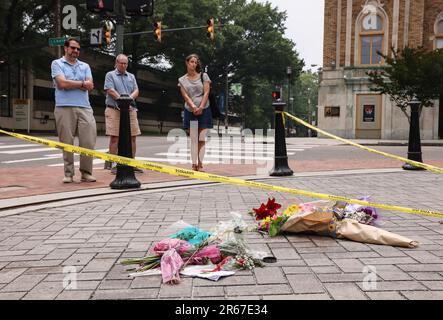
194 87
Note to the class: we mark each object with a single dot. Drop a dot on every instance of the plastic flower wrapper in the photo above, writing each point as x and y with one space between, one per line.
239 262
239 248
181 246
362 214
170 264
193 235
210 252
229 230
153 260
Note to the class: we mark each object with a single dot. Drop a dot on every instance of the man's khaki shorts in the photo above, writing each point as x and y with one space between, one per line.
112 120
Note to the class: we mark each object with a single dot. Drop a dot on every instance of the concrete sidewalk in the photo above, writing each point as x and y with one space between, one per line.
40 247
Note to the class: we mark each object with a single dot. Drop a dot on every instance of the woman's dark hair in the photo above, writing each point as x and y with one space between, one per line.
199 66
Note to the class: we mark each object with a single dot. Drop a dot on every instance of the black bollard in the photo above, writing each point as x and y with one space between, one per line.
414 145
281 167
125 178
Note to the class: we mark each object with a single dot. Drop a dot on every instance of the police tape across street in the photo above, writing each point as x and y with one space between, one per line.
212 177
411 162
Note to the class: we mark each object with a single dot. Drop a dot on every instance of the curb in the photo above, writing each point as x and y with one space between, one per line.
20 205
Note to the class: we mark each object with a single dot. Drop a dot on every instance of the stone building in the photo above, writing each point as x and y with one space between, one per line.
354 31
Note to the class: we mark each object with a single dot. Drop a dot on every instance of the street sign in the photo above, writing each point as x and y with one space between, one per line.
55 42
236 89
96 36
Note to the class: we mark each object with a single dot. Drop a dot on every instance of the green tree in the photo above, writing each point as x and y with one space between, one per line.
249 46
409 73
305 93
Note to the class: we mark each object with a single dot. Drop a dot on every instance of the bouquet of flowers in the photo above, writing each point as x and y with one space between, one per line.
192 246
268 217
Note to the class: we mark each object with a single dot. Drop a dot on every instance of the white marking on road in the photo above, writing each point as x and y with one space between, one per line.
17 146
28 150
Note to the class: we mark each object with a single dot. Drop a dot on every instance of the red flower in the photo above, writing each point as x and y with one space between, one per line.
262 212
272 205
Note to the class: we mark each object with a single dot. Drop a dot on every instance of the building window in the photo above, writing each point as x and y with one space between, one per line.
332 112
371 39
439 35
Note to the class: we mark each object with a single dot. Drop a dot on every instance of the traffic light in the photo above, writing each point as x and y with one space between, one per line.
276 95
158 31
210 32
140 7
107 32
100 5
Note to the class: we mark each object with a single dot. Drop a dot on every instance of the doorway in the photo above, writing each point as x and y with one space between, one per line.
369 115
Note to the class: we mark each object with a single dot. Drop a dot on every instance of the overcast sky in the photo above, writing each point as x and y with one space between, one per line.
304 27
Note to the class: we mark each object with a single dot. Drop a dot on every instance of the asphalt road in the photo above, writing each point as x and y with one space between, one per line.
17 153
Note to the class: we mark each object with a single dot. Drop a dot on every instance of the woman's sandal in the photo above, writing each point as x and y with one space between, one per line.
195 167
200 167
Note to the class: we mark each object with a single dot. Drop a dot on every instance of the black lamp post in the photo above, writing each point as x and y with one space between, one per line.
125 178
414 145
281 167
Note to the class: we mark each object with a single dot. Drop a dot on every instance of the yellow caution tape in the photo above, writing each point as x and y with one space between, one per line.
212 177
412 162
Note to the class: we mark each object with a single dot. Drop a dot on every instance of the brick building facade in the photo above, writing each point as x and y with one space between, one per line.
354 31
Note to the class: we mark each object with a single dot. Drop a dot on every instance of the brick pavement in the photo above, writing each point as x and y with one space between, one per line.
36 247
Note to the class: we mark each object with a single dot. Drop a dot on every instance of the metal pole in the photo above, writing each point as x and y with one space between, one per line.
309 115
125 178
414 145
58 30
120 27
289 72
281 167
227 102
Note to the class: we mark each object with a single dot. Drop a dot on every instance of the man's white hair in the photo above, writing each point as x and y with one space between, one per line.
121 55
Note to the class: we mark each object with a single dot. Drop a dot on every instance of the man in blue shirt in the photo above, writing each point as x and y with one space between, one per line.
118 82
73 113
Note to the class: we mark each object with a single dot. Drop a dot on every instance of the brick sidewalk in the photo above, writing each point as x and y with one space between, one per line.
22 182
92 238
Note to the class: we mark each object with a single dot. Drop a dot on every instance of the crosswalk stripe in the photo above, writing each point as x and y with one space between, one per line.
17 146
29 150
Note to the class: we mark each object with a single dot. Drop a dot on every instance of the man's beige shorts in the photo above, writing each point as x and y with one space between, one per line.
112 119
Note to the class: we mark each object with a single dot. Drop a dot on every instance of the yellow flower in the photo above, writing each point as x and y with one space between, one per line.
290 210
331 227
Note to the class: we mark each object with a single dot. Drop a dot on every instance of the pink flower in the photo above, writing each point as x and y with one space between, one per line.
209 252
181 246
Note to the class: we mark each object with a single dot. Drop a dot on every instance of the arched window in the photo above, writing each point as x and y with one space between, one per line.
371 39
439 35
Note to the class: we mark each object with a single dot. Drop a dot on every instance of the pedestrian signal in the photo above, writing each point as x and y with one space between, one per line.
98 6
210 29
158 31
276 95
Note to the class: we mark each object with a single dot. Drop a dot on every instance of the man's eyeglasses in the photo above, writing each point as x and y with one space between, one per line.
74 48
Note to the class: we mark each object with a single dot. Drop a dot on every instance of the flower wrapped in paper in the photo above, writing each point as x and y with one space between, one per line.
321 218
